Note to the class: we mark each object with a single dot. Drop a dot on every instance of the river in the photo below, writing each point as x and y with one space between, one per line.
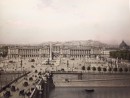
99 92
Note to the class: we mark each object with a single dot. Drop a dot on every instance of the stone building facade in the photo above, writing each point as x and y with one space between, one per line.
80 52
56 51
44 52
13 52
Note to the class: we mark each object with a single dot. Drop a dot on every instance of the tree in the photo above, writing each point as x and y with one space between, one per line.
32 60
126 69
104 69
120 69
99 69
88 68
83 68
94 68
115 69
109 69
124 54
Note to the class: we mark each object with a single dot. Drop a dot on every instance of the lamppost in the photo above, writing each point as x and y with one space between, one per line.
21 63
4 65
1 56
67 63
40 91
73 67
0 81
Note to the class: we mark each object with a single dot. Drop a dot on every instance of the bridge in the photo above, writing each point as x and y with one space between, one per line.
45 82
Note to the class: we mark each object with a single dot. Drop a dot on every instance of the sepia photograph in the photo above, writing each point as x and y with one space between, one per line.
64 48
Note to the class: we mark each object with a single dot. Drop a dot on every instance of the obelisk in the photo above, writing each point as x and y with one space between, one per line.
50 52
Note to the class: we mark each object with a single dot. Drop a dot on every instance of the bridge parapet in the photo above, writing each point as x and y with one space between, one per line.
66 72
62 75
43 87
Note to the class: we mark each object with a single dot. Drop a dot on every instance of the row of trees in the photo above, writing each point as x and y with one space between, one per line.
105 69
121 54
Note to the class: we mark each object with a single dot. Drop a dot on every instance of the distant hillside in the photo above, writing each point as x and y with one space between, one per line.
69 43
80 42
86 43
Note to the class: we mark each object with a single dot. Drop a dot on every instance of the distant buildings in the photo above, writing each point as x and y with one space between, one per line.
123 46
55 50
58 50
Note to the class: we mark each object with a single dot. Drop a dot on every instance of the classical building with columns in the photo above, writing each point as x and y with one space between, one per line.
44 52
23 52
29 52
80 52
13 52
55 51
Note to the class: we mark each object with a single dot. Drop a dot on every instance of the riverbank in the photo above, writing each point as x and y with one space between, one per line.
95 83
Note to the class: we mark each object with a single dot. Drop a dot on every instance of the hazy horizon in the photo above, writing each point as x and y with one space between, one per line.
38 21
44 42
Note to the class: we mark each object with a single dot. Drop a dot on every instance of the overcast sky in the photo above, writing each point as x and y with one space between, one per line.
36 21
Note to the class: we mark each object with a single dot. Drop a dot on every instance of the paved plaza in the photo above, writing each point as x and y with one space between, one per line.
59 64
90 78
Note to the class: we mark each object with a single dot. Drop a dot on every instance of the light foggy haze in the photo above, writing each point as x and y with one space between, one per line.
36 21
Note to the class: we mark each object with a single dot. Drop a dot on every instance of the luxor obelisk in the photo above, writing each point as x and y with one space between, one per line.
50 51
